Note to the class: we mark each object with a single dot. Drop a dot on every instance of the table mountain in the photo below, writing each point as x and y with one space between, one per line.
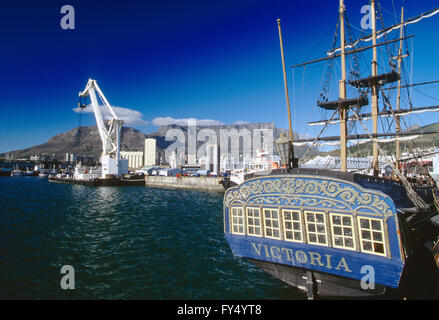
86 140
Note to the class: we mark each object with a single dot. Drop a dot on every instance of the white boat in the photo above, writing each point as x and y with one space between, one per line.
86 173
16 172
28 172
263 161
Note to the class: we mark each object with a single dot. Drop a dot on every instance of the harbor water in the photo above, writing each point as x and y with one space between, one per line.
123 243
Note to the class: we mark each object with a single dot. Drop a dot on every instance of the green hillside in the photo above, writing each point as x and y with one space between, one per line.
423 142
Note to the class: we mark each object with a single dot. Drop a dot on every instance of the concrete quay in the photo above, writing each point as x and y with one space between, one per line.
184 182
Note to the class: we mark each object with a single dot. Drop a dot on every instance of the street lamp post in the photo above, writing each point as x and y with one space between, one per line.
286 152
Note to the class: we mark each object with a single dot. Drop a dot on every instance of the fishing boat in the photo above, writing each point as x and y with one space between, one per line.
22 173
339 233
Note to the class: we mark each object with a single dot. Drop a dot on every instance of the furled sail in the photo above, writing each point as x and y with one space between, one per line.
386 113
398 136
362 140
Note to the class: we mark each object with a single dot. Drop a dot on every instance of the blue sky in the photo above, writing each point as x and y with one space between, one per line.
217 60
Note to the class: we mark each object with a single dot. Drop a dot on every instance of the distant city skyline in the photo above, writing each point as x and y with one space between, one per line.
167 62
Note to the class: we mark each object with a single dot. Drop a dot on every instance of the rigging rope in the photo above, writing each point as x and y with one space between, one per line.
425 171
318 136
381 33
329 69
354 75
389 53
416 199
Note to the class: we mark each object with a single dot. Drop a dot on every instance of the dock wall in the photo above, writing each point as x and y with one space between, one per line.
210 183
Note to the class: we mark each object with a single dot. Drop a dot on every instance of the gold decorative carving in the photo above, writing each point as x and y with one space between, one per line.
311 191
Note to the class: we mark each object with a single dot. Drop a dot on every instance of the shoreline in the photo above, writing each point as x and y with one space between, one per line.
204 183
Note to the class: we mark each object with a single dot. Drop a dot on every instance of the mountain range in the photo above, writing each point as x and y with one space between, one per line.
86 140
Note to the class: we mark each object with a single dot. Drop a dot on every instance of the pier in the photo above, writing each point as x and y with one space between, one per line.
184 182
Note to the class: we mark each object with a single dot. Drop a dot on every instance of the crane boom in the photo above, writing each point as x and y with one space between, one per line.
110 137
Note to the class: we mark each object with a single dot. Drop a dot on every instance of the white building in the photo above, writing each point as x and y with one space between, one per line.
211 161
150 152
330 162
113 167
70 157
135 158
191 159
169 172
173 159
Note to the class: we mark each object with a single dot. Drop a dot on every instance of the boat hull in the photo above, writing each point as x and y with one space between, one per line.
335 273
323 284
360 256
100 182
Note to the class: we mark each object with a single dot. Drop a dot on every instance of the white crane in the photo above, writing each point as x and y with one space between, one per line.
112 164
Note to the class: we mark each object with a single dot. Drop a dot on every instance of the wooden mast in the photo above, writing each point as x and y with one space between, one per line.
342 93
398 101
291 151
374 87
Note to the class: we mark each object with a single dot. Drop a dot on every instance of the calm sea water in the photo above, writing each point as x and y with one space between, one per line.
123 243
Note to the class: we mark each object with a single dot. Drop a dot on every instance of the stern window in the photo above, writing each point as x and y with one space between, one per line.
292 225
271 220
237 219
372 235
342 231
254 222
316 228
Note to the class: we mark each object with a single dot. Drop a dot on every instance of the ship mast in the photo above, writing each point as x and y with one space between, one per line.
342 93
292 162
398 100
374 89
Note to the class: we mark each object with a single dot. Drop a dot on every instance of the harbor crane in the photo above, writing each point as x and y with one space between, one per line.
112 164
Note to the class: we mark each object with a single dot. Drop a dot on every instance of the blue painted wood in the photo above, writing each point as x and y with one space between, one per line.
338 262
393 189
324 194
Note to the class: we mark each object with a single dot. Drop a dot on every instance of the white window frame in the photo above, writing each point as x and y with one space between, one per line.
360 229
352 226
292 225
316 232
261 231
237 224
272 228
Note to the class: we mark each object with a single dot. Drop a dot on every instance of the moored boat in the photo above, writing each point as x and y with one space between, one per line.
321 231
335 233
